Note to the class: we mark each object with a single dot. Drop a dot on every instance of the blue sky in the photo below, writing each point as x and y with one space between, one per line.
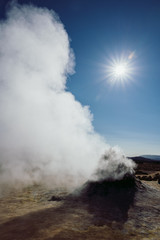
129 115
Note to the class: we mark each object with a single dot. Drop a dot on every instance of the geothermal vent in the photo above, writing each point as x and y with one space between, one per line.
110 192
110 200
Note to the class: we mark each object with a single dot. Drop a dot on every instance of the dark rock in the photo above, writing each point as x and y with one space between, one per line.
149 178
144 178
56 198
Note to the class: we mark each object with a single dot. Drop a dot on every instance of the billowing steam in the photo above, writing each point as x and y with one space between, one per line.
45 134
113 165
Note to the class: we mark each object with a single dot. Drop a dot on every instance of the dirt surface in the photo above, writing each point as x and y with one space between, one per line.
27 214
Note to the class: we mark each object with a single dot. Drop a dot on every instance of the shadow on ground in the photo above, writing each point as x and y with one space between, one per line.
91 213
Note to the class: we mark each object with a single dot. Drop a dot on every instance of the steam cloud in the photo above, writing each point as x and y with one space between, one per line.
113 165
45 134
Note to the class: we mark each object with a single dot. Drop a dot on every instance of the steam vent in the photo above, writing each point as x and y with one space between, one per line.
110 200
127 207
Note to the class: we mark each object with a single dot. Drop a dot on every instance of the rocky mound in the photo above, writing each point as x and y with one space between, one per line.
109 200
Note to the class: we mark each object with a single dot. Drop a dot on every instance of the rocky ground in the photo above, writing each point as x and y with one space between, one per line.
132 212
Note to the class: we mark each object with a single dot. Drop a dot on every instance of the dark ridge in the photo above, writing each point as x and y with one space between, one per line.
152 157
146 165
143 159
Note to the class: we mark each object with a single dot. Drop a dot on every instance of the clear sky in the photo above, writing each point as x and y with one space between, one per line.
126 114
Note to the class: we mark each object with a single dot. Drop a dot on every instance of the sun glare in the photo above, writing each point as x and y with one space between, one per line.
119 70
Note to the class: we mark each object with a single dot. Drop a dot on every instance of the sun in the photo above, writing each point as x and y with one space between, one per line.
119 69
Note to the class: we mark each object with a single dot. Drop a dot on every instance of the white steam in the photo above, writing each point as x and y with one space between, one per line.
113 165
45 134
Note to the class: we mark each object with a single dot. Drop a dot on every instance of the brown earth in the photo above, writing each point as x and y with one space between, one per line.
27 214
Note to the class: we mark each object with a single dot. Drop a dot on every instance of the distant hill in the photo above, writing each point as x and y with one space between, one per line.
152 157
146 158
